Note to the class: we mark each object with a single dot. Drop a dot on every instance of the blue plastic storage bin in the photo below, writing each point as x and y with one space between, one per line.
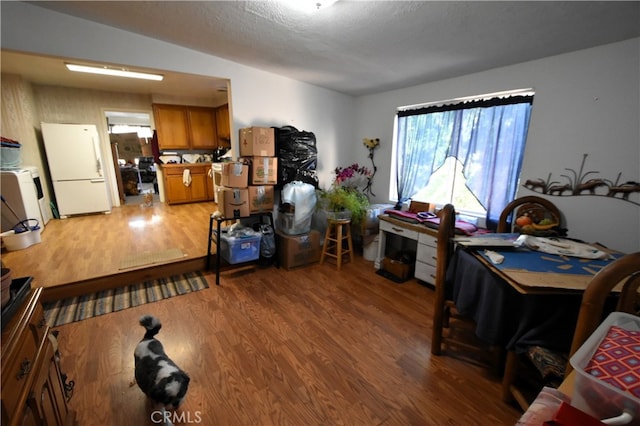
240 249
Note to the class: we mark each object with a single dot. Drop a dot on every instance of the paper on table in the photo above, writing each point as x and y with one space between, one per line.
488 240
561 246
495 257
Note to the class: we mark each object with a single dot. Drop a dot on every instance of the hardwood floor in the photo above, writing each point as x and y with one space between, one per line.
83 254
308 346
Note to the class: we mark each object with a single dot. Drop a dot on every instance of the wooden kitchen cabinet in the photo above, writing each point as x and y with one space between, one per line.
183 127
176 192
172 126
211 188
33 391
202 127
223 126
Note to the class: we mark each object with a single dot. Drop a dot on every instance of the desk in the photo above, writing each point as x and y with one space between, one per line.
506 313
426 239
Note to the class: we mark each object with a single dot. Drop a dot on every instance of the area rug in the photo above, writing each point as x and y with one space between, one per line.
150 257
78 308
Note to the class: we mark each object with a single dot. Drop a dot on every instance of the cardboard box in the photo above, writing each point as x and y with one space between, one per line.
261 198
298 250
262 170
417 207
398 269
234 202
235 175
257 141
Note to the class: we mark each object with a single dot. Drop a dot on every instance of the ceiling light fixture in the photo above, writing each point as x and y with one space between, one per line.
114 72
309 5
324 3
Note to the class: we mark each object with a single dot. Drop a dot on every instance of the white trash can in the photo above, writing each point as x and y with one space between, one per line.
370 250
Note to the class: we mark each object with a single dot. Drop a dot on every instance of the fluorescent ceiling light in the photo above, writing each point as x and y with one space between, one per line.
114 72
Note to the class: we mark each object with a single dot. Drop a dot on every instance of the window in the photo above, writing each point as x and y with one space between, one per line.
468 153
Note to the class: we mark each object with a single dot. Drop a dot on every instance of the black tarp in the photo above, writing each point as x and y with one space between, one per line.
297 156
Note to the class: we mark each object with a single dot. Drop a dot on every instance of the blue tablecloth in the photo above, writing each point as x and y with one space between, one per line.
505 317
536 261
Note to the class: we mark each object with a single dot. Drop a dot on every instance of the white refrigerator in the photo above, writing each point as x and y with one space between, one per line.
75 163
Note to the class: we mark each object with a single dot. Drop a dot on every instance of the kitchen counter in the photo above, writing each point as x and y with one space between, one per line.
208 164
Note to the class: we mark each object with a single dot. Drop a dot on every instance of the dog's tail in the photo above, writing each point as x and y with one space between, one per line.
152 324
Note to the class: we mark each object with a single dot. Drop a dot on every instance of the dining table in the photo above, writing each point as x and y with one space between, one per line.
530 298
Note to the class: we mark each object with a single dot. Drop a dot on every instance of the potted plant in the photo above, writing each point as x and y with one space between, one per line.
343 202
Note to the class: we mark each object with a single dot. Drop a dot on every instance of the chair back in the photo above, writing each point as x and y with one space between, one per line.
624 272
446 232
537 207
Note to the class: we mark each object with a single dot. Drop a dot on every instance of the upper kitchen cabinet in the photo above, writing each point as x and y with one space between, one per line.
202 126
172 126
223 126
184 127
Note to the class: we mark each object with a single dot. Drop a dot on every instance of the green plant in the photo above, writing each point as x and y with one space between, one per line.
339 198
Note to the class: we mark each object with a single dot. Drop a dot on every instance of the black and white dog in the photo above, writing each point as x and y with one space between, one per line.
158 377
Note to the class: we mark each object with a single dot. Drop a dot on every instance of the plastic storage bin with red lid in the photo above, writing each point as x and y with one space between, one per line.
610 355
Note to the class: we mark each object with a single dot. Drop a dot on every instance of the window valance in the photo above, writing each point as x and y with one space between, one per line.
479 103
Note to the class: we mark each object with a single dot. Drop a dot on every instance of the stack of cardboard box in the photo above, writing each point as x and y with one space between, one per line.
233 194
257 151
247 185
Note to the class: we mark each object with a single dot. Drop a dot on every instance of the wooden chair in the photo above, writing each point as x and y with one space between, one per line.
624 270
445 309
537 208
460 329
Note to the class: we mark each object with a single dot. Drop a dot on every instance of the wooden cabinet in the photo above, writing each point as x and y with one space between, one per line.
202 127
223 125
172 126
47 399
197 189
32 387
183 127
211 188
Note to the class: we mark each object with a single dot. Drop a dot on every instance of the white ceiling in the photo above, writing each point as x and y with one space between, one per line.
362 47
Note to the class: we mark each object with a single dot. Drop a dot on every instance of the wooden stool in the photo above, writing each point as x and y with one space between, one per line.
337 231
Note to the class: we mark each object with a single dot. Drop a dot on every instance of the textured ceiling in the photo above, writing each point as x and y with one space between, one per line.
361 47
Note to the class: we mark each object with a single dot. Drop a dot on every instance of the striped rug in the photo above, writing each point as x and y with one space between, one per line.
78 308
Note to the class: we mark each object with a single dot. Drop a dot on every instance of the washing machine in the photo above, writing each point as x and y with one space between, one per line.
22 193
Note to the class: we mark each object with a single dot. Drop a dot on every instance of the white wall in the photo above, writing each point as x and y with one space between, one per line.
258 98
586 102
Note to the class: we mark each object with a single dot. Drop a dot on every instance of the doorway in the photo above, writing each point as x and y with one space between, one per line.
130 134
